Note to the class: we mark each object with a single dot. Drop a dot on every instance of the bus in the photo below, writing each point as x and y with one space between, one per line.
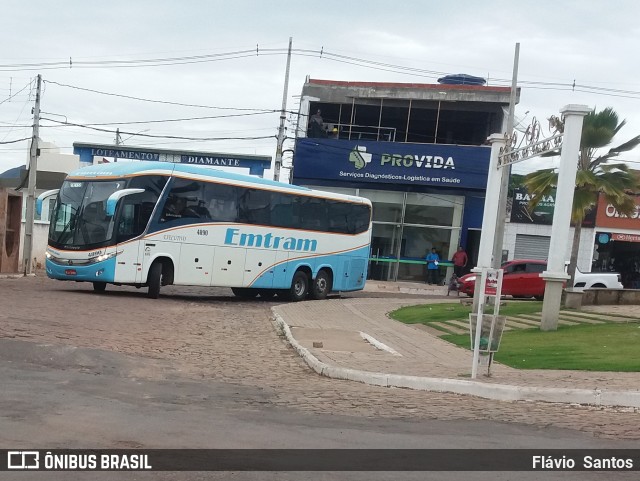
153 224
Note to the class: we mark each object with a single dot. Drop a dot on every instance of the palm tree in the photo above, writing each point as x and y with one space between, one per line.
595 175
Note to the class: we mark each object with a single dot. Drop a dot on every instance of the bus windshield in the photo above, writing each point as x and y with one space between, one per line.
80 218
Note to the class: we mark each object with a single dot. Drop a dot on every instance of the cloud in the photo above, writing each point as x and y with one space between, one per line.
587 41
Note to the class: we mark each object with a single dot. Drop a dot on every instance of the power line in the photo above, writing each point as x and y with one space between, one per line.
19 91
209 117
138 134
166 102
15 141
111 63
321 54
14 126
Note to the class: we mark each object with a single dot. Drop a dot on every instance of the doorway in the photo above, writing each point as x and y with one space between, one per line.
384 247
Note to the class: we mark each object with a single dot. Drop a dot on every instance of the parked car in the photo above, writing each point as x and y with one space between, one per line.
521 278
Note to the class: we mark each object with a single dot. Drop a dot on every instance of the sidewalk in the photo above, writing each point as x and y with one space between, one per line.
355 339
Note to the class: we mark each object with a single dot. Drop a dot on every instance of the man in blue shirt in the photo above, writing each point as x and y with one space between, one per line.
433 259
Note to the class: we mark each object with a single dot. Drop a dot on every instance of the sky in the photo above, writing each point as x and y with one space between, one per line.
228 59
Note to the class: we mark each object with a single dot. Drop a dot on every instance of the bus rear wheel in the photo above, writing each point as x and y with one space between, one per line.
321 286
99 286
299 287
154 280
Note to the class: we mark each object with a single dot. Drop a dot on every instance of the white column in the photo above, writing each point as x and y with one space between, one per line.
555 274
491 201
490 214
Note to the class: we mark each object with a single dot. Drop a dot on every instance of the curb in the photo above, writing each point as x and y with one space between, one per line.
498 392
15 276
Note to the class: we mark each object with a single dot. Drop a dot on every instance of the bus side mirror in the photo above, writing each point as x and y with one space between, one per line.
113 199
42 197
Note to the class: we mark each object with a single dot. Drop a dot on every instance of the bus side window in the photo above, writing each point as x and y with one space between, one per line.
173 208
282 210
338 217
255 207
223 211
222 202
314 214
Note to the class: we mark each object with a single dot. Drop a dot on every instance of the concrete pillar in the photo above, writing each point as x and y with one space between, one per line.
555 274
490 215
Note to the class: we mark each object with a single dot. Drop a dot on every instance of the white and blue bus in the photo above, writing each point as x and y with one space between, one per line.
155 224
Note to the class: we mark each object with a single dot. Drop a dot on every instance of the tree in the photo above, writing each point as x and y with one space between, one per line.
595 175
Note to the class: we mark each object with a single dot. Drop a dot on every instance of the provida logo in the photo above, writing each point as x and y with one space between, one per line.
359 157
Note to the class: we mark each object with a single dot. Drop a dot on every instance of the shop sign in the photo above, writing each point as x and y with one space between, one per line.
543 213
608 216
625 237
391 163
255 163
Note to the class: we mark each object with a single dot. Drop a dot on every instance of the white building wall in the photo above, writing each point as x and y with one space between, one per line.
587 236
40 239
50 160
40 230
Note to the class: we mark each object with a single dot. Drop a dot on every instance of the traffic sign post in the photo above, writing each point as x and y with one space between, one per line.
486 329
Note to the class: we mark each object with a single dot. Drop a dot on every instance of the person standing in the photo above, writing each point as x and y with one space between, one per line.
316 125
460 260
433 259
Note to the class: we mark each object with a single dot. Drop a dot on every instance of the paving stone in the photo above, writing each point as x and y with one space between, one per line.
449 327
209 334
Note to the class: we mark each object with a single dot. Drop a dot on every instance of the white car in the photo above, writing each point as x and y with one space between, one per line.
588 280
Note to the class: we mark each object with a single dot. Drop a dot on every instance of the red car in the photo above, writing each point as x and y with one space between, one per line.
521 278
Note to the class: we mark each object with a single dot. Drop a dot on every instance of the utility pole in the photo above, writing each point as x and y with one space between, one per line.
278 161
505 170
118 141
31 186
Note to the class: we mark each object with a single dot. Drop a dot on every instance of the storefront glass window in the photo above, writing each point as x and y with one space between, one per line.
387 206
429 209
416 243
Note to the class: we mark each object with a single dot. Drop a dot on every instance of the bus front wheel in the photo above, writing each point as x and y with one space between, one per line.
299 287
99 286
154 280
321 286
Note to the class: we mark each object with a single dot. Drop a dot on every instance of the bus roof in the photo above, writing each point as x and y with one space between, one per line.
126 169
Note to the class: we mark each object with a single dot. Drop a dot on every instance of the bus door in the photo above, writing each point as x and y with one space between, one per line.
135 251
132 254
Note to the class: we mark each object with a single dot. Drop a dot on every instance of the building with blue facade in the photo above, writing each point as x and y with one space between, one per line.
417 151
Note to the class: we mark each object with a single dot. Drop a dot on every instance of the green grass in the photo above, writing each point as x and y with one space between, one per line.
613 346
604 347
427 313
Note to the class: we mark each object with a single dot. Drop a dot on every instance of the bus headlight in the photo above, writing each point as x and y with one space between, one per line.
104 257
